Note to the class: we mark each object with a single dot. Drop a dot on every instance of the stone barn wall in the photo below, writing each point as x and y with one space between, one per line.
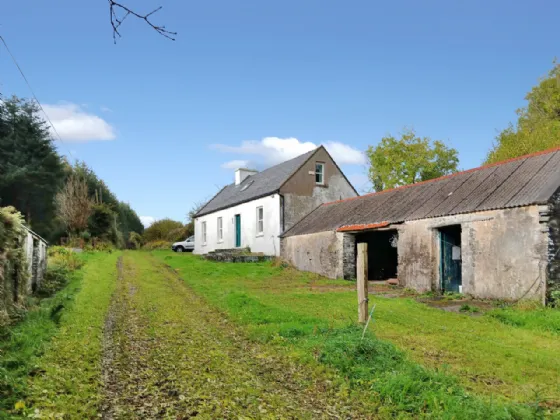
320 253
504 253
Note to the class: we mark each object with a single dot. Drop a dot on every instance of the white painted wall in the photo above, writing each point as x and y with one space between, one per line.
267 243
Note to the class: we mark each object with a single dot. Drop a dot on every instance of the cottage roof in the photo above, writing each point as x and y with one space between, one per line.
255 186
527 180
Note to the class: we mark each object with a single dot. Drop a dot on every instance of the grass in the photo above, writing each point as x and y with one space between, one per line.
23 343
68 374
416 359
529 317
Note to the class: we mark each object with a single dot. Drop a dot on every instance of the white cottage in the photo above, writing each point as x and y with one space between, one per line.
259 206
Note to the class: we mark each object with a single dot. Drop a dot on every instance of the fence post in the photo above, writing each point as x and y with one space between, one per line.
362 280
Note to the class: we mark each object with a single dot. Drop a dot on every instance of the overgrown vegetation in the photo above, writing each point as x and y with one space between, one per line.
461 356
23 343
13 265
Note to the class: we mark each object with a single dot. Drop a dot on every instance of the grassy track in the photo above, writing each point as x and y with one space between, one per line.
69 379
174 357
490 358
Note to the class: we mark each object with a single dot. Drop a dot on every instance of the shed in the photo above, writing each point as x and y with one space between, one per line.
490 232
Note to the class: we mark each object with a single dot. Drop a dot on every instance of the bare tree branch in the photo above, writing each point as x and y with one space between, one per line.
116 9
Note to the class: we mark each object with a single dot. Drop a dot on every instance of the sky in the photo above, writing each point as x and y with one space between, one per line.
253 83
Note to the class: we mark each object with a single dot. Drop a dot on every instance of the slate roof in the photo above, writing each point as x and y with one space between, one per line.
526 180
260 184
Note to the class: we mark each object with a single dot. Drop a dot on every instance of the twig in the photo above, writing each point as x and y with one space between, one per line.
116 22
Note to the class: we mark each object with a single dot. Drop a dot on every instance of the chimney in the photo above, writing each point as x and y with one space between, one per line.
243 173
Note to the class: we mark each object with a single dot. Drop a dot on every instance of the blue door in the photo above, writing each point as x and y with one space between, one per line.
450 269
237 230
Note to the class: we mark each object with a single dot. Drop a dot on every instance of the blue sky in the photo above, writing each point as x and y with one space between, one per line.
162 121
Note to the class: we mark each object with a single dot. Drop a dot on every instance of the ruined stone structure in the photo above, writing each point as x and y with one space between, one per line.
491 232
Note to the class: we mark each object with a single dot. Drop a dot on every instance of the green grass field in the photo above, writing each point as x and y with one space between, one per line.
509 357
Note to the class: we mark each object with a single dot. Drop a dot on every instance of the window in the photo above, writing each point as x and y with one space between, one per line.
260 221
220 230
320 173
203 233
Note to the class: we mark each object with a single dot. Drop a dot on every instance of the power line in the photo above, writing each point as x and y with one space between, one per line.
35 96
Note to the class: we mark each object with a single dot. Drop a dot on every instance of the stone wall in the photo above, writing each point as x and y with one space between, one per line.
320 253
504 253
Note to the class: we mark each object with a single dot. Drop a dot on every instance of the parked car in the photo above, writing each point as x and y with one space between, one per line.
183 246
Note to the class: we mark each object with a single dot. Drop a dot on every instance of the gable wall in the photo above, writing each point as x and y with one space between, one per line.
302 195
268 243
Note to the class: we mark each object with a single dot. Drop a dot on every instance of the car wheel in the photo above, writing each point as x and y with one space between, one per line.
180 249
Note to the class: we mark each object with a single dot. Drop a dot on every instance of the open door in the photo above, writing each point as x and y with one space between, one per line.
450 264
237 230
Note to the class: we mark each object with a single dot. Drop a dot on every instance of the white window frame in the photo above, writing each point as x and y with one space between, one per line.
220 224
203 233
260 221
322 173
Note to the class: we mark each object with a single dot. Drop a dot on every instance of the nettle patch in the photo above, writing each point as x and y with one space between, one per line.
13 267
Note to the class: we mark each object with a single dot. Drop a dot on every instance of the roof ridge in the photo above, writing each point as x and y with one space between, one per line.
489 165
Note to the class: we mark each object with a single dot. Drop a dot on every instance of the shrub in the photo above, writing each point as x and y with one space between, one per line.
160 230
149 246
134 240
62 263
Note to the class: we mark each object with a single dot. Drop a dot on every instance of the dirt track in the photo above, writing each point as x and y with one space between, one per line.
167 354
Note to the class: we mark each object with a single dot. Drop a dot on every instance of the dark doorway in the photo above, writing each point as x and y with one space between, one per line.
450 258
383 258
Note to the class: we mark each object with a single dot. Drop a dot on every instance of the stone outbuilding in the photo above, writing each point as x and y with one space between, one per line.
489 232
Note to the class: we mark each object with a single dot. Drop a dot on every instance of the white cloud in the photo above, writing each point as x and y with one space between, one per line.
147 220
235 164
73 124
273 150
106 109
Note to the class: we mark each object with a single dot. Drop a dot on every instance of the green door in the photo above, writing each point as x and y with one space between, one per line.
237 230
450 268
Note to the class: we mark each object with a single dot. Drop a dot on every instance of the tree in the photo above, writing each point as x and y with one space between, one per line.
31 170
410 159
538 124
160 230
74 205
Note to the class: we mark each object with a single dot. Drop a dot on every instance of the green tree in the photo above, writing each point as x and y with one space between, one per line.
408 159
31 170
160 230
538 124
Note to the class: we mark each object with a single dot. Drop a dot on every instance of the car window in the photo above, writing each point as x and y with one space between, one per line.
190 239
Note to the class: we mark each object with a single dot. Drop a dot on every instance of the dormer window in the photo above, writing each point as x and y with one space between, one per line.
319 173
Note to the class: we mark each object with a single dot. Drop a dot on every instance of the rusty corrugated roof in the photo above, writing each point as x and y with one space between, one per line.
526 180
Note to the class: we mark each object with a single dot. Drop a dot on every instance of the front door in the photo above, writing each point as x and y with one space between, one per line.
237 230
450 269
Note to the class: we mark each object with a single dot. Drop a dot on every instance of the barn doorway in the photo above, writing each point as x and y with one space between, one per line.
450 259
383 259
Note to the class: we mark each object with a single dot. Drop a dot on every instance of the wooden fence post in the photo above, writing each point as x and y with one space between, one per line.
362 280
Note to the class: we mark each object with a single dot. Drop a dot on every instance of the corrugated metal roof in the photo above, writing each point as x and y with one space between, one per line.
257 185
530 179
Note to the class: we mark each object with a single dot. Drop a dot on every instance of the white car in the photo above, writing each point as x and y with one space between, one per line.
186 245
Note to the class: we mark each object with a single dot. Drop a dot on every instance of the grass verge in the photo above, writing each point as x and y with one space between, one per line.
514 371
67 377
